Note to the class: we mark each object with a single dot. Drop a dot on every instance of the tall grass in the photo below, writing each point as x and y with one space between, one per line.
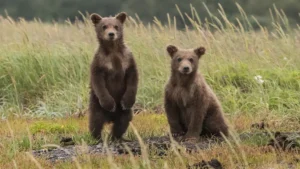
44 67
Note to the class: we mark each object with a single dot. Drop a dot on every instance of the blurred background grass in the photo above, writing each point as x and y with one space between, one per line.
44 70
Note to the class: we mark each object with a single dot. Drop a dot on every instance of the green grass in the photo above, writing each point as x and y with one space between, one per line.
42 127
19 138
44 73
45 67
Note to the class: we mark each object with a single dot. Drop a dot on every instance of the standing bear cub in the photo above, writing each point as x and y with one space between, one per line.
113 79
191 106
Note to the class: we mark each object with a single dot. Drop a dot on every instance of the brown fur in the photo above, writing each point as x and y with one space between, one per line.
191 106
114 78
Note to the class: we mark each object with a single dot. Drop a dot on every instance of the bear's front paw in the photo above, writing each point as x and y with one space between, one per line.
108 105
126 104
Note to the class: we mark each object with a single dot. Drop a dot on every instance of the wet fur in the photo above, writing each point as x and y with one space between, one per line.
113 80
191 106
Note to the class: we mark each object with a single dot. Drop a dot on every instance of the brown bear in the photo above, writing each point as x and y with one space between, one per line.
113 78
191 106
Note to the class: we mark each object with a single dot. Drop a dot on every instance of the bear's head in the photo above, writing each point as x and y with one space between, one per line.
109 28
185 61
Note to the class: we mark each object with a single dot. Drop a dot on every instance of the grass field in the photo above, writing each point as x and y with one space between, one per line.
44 75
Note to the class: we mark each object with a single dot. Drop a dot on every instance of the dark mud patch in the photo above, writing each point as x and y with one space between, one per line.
159 146
284 141
156 145
244 136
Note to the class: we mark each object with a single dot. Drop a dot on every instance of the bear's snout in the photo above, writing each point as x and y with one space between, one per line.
111 35
186 69
184 66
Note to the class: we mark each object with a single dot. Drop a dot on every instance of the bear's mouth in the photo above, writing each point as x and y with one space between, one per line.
111 38
185 72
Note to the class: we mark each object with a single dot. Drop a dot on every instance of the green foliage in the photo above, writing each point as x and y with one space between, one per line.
44 68
147 9
46 127
23 144
84 138
258 139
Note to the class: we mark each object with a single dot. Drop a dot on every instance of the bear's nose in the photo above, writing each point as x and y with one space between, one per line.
111 34
186 69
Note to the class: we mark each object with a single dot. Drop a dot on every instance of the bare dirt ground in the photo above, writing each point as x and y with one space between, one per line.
160 146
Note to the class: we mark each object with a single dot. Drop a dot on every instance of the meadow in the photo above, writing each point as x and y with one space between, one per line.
44 83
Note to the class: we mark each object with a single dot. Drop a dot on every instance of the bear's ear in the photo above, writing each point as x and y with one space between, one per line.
95 18
200 51
122 17
172 50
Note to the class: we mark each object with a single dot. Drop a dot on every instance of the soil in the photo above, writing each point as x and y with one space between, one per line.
157 145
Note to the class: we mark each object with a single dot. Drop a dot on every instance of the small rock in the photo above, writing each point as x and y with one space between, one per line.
261 126
137 108
214 163
284 142
80 113
66 141
159 109
296 160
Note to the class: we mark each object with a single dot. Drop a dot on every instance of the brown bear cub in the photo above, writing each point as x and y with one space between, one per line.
191 106
113 80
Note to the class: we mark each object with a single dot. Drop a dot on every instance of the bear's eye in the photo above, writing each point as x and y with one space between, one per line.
191 60
179 59
104 27
116 27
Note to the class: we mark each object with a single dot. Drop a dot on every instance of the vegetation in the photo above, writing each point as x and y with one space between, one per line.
148 9
44 73
17 139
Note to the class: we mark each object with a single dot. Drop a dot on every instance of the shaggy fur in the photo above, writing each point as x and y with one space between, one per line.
113 80
191 106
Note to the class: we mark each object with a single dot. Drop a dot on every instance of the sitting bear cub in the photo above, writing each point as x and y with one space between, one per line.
191 106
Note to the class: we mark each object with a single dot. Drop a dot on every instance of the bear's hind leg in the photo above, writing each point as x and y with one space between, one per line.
96 123
96 118
215 125
177 126
121 124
